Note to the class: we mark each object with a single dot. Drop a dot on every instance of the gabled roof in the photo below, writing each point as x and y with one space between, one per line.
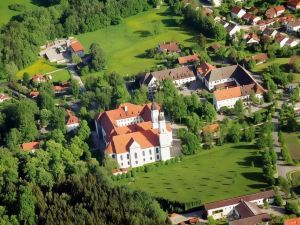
293 3
236 9
76 46
34 94
188 59
294 221
205 68
295 23
228 93
236 200
170 47
71 118
279 8
174 74
253 220
260 57
29 146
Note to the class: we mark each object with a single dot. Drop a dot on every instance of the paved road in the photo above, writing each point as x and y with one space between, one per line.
76 76
282 168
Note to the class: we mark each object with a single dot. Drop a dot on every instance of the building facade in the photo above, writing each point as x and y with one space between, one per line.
135 135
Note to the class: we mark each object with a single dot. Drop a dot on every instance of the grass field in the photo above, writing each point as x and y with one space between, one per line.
282 61
208 176
293 144
6 13
43 67
125 44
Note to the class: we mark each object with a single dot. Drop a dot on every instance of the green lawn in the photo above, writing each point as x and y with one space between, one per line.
210 175
125 44
293 144
282 61
43 66
6 14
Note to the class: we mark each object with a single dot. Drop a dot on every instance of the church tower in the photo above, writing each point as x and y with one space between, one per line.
154 115
165 138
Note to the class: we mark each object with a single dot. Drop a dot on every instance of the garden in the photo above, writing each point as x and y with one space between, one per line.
210 175
293 144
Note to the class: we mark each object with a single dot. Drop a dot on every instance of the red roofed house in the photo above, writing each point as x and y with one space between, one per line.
34 94
275 11
293 4
4 97
77 48
294 221
203 69
240 207
135 134
186 60
39 78
237 12
72 121
171 47
62 88
30 146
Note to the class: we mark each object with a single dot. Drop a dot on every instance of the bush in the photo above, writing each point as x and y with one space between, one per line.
17 7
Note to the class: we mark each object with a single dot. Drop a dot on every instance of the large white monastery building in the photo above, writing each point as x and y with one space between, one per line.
135 135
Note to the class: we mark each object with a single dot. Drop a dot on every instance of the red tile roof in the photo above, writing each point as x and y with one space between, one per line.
34 94
30 146
260 57
77 46
188 59
294 221
169 47
71 118
293 3
4 97
205 68
228 93
236 9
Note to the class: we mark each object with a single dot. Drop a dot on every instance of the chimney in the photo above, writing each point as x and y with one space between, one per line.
125 108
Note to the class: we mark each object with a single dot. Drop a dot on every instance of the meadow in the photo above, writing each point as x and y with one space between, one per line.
6 13
210 175
293 144
125 44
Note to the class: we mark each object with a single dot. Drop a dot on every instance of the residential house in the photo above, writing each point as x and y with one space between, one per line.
275 11
203 69
251 18
224 208
260 58
270 32
211 129
171 47
232 29
180 76
293 4
62 88
77 48
293 26
4 97
284 20
292 42
72 121
251 39
135 135
190 59
40 78
229 96
281 39
30 146
248 213
237 12
119 171
34 94
293 221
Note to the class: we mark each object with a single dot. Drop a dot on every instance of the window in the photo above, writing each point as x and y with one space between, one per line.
128 163
150 152
144 159
217 211
143 153
121 164
157 150
127 155
135 155
150 158
157 157
114 156
136 162
121 157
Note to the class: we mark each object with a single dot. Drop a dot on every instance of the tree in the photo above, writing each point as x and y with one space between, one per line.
201 41
45 101
27 204
83 131
194 123
208 111
98 60
13 139
57 136
190 142
26 78
140 96
76 59
11 70
45 116
239 108
58 119
249 133
234 133
74 88
292 207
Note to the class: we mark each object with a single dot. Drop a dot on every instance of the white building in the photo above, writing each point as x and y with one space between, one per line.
180 76
135 135
281 39
73 121
222 209
293 26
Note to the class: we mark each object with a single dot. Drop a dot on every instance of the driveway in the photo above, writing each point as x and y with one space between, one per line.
282 168
76 76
